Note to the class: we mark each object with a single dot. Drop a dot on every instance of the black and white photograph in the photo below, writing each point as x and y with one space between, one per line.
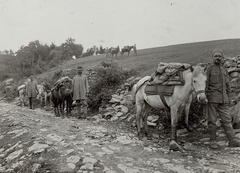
119 86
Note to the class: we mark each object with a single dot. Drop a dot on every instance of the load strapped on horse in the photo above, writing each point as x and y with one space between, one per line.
171 87
62 92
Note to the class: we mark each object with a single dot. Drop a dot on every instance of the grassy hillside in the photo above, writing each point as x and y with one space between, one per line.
147 60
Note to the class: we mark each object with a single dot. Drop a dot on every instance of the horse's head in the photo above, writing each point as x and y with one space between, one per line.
199 79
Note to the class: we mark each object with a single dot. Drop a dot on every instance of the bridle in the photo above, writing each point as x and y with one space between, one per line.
197 92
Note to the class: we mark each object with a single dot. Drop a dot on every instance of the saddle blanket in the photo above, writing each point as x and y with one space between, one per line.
159 90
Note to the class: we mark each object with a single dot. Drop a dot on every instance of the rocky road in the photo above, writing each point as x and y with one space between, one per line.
37 141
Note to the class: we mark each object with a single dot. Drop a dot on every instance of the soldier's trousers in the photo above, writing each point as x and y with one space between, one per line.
215 109
81 107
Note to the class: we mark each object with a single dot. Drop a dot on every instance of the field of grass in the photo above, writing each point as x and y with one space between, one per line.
147 59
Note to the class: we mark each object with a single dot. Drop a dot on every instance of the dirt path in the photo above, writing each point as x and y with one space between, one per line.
36 141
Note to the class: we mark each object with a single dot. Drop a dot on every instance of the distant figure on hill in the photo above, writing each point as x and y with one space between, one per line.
135 49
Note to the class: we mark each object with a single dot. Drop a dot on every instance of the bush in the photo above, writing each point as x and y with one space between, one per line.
108 76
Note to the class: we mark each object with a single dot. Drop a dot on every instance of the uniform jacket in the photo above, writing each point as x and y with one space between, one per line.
217 86
31 89
80 87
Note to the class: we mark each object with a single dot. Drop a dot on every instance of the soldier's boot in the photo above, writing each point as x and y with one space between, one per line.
84 109
213 138
30 103
233 140
33 103
78 107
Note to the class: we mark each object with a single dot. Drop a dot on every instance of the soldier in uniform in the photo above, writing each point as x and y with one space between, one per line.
218 89
32 91
80 92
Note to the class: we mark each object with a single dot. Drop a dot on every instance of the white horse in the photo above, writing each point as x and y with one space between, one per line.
178 102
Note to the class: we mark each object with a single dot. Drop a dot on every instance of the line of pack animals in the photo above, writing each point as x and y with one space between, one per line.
60 94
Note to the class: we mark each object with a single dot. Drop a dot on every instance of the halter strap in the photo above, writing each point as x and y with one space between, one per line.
200 91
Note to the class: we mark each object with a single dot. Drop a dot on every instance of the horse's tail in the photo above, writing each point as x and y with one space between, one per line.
133 93
137 86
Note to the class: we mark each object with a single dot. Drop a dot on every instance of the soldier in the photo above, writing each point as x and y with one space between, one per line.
80 92
217 90
32 91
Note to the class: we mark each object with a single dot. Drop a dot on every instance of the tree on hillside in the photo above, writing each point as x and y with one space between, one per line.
26 57
101 50
70 48
6 52
37 57
32 57
11 52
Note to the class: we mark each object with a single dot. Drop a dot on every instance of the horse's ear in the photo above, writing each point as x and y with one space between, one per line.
205 68
191 68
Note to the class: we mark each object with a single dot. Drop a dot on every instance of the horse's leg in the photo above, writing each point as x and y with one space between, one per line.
45 98
56 110
68 108
174 120
55 104
139 107
62 106
145 117
186 111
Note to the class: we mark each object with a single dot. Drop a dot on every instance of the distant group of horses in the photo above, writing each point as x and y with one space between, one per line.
110 52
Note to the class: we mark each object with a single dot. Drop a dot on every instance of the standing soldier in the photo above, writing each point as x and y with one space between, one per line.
218 90
32 91
80 92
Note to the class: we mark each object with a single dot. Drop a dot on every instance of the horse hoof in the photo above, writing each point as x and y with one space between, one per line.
174 146
149 137
189 129
140 137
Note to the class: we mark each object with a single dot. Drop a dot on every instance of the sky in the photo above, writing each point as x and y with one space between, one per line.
112 23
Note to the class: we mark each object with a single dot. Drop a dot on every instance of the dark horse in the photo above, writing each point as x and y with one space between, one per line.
114 50
126 49
62 92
